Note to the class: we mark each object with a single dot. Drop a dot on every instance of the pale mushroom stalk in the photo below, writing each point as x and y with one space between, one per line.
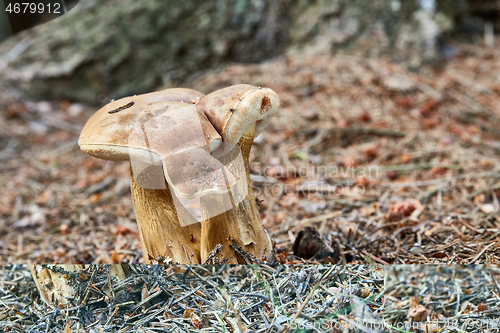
160 232
262 244
238 113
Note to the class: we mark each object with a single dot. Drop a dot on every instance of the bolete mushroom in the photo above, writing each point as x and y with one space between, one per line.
238 113
174 142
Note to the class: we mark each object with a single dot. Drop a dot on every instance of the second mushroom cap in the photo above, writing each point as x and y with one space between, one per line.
235 109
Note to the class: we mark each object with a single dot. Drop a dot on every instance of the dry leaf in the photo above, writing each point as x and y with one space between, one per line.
428 107
196 321
95 197
67 329
123 230
115 257
371 150
481 307
64 229
144 292
399 211
187 313
405 158
288 200
417 312
479 199
362 180
391 174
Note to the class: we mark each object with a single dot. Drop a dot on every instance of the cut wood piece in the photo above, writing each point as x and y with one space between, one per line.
56 283
61 285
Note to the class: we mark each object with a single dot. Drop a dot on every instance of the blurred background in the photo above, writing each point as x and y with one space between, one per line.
107 49
408 87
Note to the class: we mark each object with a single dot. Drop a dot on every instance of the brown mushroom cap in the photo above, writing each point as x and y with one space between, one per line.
167 124
234 109
106 133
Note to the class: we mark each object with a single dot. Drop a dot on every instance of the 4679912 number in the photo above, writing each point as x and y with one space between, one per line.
32 8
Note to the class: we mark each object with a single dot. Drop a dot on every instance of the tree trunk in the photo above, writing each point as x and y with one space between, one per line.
108 49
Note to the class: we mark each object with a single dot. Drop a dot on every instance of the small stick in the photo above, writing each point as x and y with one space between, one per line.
316 285
316 219
211 255
380 261
231 305
121 108
495 282
247 257
481 253
358 131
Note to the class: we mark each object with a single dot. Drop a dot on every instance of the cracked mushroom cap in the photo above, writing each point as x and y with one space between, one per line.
234 109
162 127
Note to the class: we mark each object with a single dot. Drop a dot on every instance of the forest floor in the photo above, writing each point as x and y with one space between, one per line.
199 298
259 298
387 165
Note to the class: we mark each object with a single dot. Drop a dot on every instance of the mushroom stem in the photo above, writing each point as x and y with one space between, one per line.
160 232
254 237
217 229
241 224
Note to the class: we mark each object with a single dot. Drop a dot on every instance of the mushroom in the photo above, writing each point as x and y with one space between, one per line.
182 144
238 113
168 142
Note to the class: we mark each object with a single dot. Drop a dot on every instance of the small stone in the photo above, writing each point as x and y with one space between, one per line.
488 208
44 106
396 83
75 109
309 114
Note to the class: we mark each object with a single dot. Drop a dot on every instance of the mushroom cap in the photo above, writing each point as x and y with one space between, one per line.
106 133
161 127
234 109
